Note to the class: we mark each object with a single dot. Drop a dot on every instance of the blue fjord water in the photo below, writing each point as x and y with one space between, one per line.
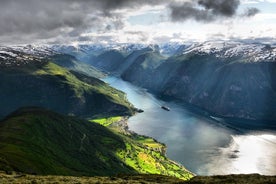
203 146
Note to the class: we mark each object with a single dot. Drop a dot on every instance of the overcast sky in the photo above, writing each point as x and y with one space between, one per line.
135 21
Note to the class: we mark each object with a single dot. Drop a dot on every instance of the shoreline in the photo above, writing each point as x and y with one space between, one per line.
124 129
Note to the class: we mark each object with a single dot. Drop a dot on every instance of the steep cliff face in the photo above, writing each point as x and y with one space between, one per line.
142 68
108 61
236 89
229 87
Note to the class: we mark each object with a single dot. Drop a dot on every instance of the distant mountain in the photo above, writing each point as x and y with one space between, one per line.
38 141
32 80
108 61
141 66
72 63
227 79
90 53
234 81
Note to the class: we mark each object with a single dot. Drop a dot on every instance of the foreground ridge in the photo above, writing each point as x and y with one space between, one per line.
135 179
41 142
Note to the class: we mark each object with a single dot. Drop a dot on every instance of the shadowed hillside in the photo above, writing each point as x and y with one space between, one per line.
51 86
38 141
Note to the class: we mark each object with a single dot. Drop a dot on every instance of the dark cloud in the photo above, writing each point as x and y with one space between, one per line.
31 19
250 12
207 10
188 10
220 7
40 20
118 4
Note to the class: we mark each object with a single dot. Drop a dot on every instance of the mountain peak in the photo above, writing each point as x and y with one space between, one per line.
250 52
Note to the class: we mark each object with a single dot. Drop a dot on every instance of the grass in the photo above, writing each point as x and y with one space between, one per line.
135 179
233 179
149 160
71 63
54 87
38 141
122 179
107 121
82 83
143 154
42 142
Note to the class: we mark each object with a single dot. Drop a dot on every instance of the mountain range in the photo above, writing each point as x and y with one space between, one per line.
47 99
225 79
48 94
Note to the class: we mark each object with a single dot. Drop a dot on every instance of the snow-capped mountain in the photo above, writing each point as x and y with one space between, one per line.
249 52
97 48
230 79
224 51
20 55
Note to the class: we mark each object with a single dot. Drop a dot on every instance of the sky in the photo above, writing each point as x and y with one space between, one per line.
135 21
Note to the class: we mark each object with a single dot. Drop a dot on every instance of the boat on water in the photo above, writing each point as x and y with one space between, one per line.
165 108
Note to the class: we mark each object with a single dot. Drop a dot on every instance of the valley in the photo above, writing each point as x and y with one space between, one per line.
204 140
203 145
208 88
44 128
138 91
216 77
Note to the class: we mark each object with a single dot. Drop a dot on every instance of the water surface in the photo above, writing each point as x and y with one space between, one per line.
203 146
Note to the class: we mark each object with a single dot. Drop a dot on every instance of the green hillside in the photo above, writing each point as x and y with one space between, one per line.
72 63
144 154
38 141
137 179
48 85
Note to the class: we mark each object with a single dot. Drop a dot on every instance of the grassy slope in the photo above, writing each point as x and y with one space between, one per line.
135 179
54 87
142 153
42 142
82 83
38 141
234 179
72 63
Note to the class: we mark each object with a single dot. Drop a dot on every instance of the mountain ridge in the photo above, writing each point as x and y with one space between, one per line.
57 88
217 77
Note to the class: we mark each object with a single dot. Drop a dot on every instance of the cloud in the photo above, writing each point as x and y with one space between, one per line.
188 10
207 10
257 1
32 19
250 12
28 21
220 7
